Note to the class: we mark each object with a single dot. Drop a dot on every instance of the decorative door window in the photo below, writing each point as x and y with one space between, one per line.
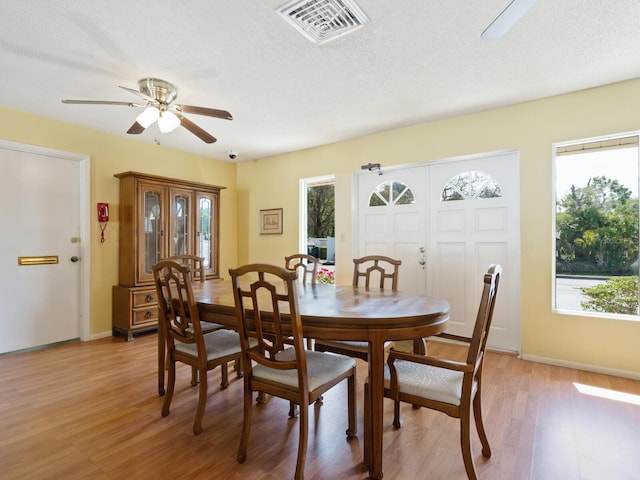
471 185
391 193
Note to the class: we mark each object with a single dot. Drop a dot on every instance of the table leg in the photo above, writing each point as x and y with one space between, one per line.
375 398
420 346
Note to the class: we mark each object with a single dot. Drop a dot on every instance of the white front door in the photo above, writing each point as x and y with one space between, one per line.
391 221
40 205
446 246
474 222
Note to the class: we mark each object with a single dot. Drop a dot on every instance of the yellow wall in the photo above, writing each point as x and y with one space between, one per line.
531 128
113 154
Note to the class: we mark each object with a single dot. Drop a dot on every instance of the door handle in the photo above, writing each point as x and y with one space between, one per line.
74 259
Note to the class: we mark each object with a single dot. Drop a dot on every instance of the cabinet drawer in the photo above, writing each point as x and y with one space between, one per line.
144 297
145 315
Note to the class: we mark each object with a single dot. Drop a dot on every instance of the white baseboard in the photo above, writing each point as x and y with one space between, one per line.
564 363
97 336
582 366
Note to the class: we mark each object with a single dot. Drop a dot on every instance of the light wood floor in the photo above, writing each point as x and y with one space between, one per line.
91 411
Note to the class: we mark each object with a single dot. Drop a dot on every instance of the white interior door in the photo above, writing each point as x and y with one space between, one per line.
391 221
446 246
40 205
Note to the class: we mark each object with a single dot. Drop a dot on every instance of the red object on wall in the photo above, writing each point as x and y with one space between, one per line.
103 212
103 218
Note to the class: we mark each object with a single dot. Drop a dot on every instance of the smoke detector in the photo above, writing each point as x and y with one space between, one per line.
323 20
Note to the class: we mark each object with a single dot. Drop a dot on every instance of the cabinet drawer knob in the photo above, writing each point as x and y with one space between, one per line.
149 298
149 314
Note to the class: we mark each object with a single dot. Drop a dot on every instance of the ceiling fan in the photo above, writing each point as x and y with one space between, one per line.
507 19
158 95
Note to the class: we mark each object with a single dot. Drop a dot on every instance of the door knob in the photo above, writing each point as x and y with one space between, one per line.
75 259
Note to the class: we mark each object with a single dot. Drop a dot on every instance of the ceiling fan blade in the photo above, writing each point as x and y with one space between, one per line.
140 94
209 112
196 130
101 102
135 129
507 19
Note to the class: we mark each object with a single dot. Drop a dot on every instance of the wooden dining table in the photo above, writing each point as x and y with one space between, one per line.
339 312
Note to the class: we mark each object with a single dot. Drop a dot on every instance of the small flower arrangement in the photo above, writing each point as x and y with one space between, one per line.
325 275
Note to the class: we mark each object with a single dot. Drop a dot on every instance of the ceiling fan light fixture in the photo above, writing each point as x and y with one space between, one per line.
168 121
148 116
158 95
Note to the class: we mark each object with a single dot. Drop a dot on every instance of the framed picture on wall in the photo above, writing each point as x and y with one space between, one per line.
271 221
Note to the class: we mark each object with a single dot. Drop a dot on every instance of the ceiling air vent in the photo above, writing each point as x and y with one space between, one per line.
324 20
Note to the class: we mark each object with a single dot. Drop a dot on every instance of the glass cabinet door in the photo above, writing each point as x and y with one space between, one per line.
162 217
181 222
151 240
206 233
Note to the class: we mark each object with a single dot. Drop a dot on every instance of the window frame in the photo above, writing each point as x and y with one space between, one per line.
302 208
554 199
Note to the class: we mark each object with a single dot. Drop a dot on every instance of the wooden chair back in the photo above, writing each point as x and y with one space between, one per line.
177 307
369 267
306 264
259 288
478 340
195 262
477 347
386 268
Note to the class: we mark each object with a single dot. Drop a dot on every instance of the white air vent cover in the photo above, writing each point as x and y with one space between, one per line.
323 20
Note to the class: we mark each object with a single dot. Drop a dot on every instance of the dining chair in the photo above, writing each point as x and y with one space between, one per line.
195 262
196 265
452 387
184 339
304 263
377 270
267 310
308 265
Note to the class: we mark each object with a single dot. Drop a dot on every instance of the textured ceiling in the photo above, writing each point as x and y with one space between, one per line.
416 61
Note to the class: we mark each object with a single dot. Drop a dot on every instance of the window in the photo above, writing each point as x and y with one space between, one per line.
596 226
470 185
391 193
317 219
320 210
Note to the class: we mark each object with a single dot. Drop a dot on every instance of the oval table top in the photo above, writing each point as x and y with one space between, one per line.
341 312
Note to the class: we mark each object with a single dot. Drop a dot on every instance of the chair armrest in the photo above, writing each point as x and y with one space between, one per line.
450 336
425 360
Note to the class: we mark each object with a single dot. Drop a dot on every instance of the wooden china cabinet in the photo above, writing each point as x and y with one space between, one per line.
159 217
